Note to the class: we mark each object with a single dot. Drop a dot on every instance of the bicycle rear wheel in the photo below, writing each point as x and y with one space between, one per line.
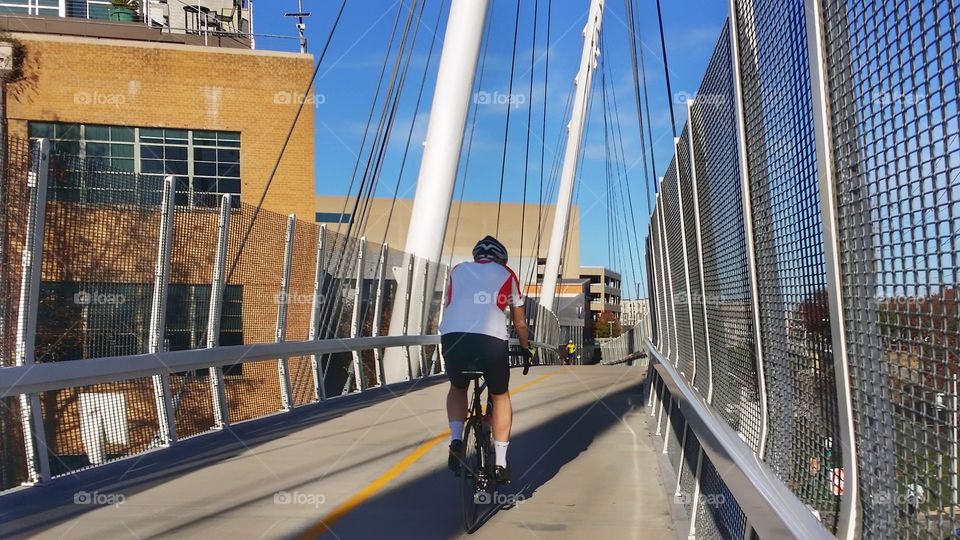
470 468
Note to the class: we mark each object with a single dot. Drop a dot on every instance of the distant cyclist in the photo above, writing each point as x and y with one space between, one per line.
474 329
571 352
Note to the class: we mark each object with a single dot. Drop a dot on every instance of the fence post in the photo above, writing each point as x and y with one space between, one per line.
319 390
695 188
283 301
748 224
847 518
424 313
355 318
668 272
443 305
166 415
378 310
686 262
221 412
31 414
406 311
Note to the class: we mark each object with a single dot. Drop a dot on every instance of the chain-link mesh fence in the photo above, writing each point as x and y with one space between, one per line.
726 280
789 251
892 72
893 131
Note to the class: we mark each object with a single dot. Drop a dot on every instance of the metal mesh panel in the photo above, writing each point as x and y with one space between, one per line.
674 435
691 451
654 304
192 261
95 424
725 271
718 514
661 290
694 298
683 357
299 303
14 199
666 407
253 388
893 72
668 285
99 260
13 468
788 241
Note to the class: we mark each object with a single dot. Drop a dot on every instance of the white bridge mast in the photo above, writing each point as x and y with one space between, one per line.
438 173
578 117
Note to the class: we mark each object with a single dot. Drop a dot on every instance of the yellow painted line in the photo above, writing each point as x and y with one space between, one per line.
338 513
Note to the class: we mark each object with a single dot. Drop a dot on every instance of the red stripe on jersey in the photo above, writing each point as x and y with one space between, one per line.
503 296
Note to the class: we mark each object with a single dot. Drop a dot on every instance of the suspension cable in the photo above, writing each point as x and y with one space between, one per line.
506 129
666 72
413 122
634 69
286 142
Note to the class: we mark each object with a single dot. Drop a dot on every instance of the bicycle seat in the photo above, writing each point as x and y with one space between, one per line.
473 369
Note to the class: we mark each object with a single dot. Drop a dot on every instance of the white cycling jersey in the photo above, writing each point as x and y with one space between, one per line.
478 293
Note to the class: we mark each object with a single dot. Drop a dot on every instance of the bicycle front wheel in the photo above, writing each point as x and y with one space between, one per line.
470 469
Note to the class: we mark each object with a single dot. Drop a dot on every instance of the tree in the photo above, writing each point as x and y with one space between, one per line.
607 325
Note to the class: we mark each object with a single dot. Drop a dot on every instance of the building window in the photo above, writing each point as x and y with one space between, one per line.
333 217
94 320
30 7
205 163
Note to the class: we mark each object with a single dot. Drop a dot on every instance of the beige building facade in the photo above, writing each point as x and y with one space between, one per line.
468 222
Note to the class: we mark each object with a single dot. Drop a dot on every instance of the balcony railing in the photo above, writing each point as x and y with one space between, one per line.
212 19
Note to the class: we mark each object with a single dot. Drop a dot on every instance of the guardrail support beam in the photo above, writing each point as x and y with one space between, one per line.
31 414
166 414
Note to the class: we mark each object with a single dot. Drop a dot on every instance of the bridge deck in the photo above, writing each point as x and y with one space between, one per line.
376 466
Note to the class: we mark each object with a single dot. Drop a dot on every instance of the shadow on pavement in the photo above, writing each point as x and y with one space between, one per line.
429 506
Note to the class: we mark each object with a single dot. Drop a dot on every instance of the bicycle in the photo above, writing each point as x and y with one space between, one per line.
478 487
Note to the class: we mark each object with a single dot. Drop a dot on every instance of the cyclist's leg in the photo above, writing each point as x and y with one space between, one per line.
452 345
497 374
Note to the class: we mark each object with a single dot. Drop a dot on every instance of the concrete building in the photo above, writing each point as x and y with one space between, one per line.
633 311
604 294
468 223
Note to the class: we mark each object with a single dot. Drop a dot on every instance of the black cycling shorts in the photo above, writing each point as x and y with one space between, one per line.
477 352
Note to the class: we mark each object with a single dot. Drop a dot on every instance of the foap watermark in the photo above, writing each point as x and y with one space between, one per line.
713 100
296 98
96 498
483 298
86 298
295 497
683 298
710 499
99 98
499 98
499 499
295 298
897 97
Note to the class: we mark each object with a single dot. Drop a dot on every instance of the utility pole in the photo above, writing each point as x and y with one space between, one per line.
438 173
578 118
301 26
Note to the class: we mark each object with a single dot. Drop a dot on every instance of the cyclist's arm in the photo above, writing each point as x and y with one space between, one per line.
520 324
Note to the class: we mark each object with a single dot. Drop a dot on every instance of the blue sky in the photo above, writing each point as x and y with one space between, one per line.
348 77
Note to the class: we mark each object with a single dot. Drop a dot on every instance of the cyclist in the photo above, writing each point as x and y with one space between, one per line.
474 328
571 352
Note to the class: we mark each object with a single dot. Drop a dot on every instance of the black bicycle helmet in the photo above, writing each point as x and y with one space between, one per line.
490 249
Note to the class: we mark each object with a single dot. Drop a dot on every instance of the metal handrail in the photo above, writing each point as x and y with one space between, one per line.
771 508
34 378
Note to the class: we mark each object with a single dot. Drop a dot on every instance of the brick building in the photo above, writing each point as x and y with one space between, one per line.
126 105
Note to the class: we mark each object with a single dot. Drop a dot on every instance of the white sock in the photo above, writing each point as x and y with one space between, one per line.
456 431
501 450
